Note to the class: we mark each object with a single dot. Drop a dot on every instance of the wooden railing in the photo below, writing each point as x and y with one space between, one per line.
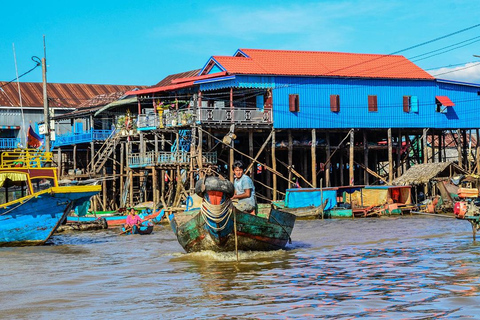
137 160
185 117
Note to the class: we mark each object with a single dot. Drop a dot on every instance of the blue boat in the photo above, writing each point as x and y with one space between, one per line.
32 205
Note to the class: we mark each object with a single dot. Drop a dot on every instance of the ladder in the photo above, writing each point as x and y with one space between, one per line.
185 137
104 152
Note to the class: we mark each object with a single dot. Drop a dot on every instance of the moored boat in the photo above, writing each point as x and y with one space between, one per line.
218 226
32 204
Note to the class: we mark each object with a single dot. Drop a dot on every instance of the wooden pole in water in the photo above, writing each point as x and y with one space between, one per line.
235 230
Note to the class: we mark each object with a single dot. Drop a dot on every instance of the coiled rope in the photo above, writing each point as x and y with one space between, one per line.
219 214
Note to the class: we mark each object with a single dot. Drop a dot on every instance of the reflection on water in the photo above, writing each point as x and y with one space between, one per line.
392 268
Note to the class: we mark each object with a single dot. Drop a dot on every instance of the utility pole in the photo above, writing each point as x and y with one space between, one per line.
46 112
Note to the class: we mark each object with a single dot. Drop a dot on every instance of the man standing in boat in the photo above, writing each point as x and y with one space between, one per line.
244 189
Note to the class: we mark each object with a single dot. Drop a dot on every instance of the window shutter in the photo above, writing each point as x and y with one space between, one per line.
293 102
413 104
334 103
406 104
372 103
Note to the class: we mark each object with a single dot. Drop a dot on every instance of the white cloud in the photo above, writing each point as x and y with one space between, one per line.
469 72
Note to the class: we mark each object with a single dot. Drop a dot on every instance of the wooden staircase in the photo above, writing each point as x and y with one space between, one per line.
104 153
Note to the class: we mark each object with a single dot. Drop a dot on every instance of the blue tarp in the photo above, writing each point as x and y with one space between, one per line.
306 197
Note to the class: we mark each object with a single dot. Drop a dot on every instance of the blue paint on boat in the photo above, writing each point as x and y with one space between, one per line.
33 203
32 220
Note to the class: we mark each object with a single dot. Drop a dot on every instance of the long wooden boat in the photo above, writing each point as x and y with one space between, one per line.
32 204
114 220
217 225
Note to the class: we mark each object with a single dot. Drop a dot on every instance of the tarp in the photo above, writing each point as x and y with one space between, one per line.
306 197
15 177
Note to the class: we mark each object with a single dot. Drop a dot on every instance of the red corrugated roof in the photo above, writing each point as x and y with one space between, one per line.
313 63
63 95
445 101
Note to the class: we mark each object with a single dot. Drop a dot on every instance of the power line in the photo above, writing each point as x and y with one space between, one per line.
474 65
38 64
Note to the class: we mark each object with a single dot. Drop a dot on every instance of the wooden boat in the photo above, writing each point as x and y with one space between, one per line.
217 224
143 229
308 203
32 204
115 220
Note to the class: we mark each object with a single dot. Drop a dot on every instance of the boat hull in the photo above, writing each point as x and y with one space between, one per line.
32 220
253 232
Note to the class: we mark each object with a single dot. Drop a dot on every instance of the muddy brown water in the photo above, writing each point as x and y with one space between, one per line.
393 268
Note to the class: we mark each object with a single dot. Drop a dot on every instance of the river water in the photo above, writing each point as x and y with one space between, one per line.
393 268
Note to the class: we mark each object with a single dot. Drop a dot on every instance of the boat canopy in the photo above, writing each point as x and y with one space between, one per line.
13 176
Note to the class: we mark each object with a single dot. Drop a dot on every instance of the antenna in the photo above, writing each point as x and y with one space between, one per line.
46 112
24 134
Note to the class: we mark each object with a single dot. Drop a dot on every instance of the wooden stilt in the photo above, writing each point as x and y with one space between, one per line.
290 157
130 193
114 181
274 167
328 165
122 170
59 159
399 153
104 190
351 156
200 149
366 176
477 152
342 173
92 156
155 187
425 148
75 157
314 157
459 148
268 174
390 155
250 152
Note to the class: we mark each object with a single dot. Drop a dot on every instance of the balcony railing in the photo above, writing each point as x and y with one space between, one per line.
81 137
137 160
226 116
146 121
9 143
235 115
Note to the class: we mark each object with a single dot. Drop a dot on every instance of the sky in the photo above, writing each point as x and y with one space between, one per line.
141 42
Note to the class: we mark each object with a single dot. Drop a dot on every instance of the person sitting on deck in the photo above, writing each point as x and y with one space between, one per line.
244 189
132 220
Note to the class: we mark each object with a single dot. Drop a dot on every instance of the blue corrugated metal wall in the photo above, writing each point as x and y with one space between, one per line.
315 111
314 95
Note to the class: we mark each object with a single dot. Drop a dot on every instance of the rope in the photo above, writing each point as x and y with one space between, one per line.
216 213
20 204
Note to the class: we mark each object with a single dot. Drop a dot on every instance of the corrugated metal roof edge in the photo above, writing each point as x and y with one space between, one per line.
470 84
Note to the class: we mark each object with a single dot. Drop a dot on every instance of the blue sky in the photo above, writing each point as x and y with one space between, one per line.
141 42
